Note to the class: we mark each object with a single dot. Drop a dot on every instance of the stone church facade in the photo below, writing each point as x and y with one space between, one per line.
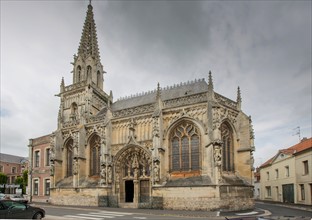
182 147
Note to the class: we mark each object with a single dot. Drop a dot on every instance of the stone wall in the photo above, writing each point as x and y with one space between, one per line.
80 196
205 198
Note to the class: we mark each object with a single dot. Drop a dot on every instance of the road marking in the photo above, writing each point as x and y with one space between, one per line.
247 213
119 213
140 217
100 216
83 217
103 213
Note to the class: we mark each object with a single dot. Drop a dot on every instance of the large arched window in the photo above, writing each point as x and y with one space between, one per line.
185 144
69 157
228 148
95 151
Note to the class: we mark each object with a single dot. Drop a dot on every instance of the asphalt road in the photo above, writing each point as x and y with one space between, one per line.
262 211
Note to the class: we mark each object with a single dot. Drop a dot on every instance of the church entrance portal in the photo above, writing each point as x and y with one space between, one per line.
129 189
132 175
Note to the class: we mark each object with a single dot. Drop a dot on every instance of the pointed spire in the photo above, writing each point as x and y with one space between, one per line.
62 86
158 92
88 43
210 86
210 83
239 99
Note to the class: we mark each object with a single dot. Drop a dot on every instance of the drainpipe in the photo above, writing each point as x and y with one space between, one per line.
30 165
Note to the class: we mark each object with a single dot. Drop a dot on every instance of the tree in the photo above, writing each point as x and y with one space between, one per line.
22 181
3 180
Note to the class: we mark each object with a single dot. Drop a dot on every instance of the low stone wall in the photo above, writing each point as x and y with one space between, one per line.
205 198
80 196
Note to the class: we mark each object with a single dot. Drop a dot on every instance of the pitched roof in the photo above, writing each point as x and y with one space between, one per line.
172 92
295 149
11 158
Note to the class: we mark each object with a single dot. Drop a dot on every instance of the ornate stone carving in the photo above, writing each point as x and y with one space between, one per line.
217 154
219 114
134 111
186 100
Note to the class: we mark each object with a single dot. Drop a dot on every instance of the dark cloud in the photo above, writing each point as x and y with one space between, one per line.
262 46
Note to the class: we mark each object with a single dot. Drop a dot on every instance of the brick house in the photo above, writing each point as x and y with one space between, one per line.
39 169
12 166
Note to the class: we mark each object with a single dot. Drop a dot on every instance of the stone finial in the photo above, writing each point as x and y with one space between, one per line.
210 86
62 86
239 99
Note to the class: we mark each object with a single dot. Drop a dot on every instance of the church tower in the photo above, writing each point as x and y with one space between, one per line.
85 97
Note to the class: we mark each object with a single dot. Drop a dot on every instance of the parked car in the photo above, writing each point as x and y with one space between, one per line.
2 196
18 198
15 210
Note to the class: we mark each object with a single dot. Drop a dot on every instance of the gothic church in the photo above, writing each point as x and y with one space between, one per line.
183 147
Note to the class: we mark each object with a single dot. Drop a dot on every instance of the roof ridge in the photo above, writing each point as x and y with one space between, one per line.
161 88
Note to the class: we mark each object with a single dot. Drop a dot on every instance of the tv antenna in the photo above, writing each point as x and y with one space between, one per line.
297 130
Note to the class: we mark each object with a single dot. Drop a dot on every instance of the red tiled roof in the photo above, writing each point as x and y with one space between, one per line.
303 145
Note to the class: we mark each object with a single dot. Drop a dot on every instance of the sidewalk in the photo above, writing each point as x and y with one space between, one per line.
289 205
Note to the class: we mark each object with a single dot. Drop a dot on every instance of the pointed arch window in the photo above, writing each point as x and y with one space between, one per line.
185 142
228 148
78 73
98 78
69 157
95 154
89 71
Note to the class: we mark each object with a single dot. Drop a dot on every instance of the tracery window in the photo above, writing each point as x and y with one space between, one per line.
95 151
228 148
69 157
185 144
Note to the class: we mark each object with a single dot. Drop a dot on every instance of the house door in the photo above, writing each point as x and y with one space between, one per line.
288 193
129 190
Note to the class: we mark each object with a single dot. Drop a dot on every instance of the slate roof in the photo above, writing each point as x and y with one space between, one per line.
11 158
167 93
295 149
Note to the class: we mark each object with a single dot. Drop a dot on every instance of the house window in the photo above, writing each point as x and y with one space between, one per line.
276 173
268 175
13 170
228 149
37 158
268 191
287 171
46 187
13 178
69 157
48 156
302 193
36 187
185 144
1 168
305 167
95 151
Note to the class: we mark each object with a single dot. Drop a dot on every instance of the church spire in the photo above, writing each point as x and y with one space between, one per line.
239 99
88 43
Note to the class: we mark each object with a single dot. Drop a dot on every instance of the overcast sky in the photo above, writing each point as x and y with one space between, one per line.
262 46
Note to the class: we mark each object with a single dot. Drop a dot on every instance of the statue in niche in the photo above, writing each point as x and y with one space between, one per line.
156 171
103 176
75 167
109 174
217 155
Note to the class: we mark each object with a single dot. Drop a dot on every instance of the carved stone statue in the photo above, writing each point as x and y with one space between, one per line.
109 174
156 172
103 176
217 155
